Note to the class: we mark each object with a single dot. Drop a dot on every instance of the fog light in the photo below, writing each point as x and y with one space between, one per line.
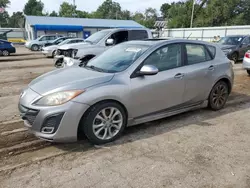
51 123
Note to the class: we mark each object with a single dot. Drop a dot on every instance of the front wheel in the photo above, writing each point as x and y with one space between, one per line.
34 47
234 57
248 72
6 53
104 122
218 96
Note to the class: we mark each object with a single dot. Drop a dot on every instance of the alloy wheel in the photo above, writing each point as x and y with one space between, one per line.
5 53
107 123
219 95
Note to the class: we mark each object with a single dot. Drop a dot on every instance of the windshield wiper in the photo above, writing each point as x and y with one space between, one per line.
92 67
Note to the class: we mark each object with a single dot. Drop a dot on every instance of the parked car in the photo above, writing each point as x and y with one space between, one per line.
6 48
50 51
246 62
36 44
235 46
99 42
132 83
57 41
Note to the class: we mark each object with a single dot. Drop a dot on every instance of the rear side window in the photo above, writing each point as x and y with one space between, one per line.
138 35
196 53
212 50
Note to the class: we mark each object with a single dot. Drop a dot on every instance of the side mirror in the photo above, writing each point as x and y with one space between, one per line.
148 70
110 42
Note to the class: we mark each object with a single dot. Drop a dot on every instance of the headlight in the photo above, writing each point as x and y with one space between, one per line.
74 52
226 51
58 98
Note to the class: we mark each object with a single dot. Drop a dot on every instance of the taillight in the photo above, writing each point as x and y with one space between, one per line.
247 55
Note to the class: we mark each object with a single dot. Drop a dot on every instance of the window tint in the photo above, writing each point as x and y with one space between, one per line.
246 40
80 40
165 58
196 53
119 37
212 50
138 35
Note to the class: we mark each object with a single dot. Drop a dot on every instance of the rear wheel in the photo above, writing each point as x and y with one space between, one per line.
34 47
104 122
5 53
234 57
54 53
218 96
248 72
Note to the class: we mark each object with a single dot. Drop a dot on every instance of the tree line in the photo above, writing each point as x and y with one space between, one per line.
207 13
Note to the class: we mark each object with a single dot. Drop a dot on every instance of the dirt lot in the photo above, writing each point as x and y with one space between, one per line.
201 149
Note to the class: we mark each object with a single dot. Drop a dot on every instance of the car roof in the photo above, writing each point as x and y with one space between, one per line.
125 29
154 42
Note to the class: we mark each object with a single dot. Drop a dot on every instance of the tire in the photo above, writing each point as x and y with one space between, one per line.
234 57
59 63
218 96
248 72
54 53
107 131
34 47
5 53
1 53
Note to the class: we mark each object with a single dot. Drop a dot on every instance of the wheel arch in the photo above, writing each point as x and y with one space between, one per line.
79 132
227 81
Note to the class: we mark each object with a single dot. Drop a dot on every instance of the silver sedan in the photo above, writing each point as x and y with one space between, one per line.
129 84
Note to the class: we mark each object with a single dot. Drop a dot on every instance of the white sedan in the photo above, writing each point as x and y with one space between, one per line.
246 62
50 51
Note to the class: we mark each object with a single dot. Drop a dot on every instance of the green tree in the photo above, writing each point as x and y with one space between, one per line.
164 9
67 10
82 14
34 7
4 3
125 15
4 17
139 18
109 10
53 14
16 20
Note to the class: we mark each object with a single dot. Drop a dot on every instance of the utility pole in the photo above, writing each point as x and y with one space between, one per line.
74 4
192 16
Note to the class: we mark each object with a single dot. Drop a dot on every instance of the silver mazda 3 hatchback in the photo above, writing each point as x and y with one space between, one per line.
129 84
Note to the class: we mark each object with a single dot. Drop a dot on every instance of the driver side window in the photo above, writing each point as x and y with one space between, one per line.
119 37
43 38
166 57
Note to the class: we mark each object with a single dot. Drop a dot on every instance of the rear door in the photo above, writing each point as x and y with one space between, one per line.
199 70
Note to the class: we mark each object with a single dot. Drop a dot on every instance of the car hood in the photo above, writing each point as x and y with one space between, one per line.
75 46
224 46
73 78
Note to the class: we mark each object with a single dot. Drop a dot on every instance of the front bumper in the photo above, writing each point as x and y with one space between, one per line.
35 118
47 53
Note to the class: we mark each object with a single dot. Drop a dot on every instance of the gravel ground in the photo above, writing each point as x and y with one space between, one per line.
202 149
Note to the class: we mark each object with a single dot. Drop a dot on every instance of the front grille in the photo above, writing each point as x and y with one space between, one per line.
28 114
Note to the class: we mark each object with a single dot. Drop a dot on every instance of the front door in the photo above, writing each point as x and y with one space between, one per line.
151 94
244 47
199 71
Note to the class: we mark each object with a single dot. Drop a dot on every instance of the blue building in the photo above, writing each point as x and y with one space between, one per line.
36 26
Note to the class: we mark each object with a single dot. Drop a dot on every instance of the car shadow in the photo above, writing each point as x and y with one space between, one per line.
143 131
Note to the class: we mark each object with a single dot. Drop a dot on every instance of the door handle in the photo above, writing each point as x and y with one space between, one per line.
179 76
211 68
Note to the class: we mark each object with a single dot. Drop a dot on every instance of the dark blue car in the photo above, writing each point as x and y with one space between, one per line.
6 48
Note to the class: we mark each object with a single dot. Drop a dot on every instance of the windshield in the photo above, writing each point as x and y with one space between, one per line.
231 40
64 42
117 59
96 37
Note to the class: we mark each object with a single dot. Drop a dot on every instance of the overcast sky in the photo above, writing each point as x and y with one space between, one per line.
132 5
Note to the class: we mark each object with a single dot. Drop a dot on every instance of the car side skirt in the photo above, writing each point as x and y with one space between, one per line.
166 113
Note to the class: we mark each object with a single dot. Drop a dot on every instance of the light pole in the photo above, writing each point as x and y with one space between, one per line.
74 13
192 16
